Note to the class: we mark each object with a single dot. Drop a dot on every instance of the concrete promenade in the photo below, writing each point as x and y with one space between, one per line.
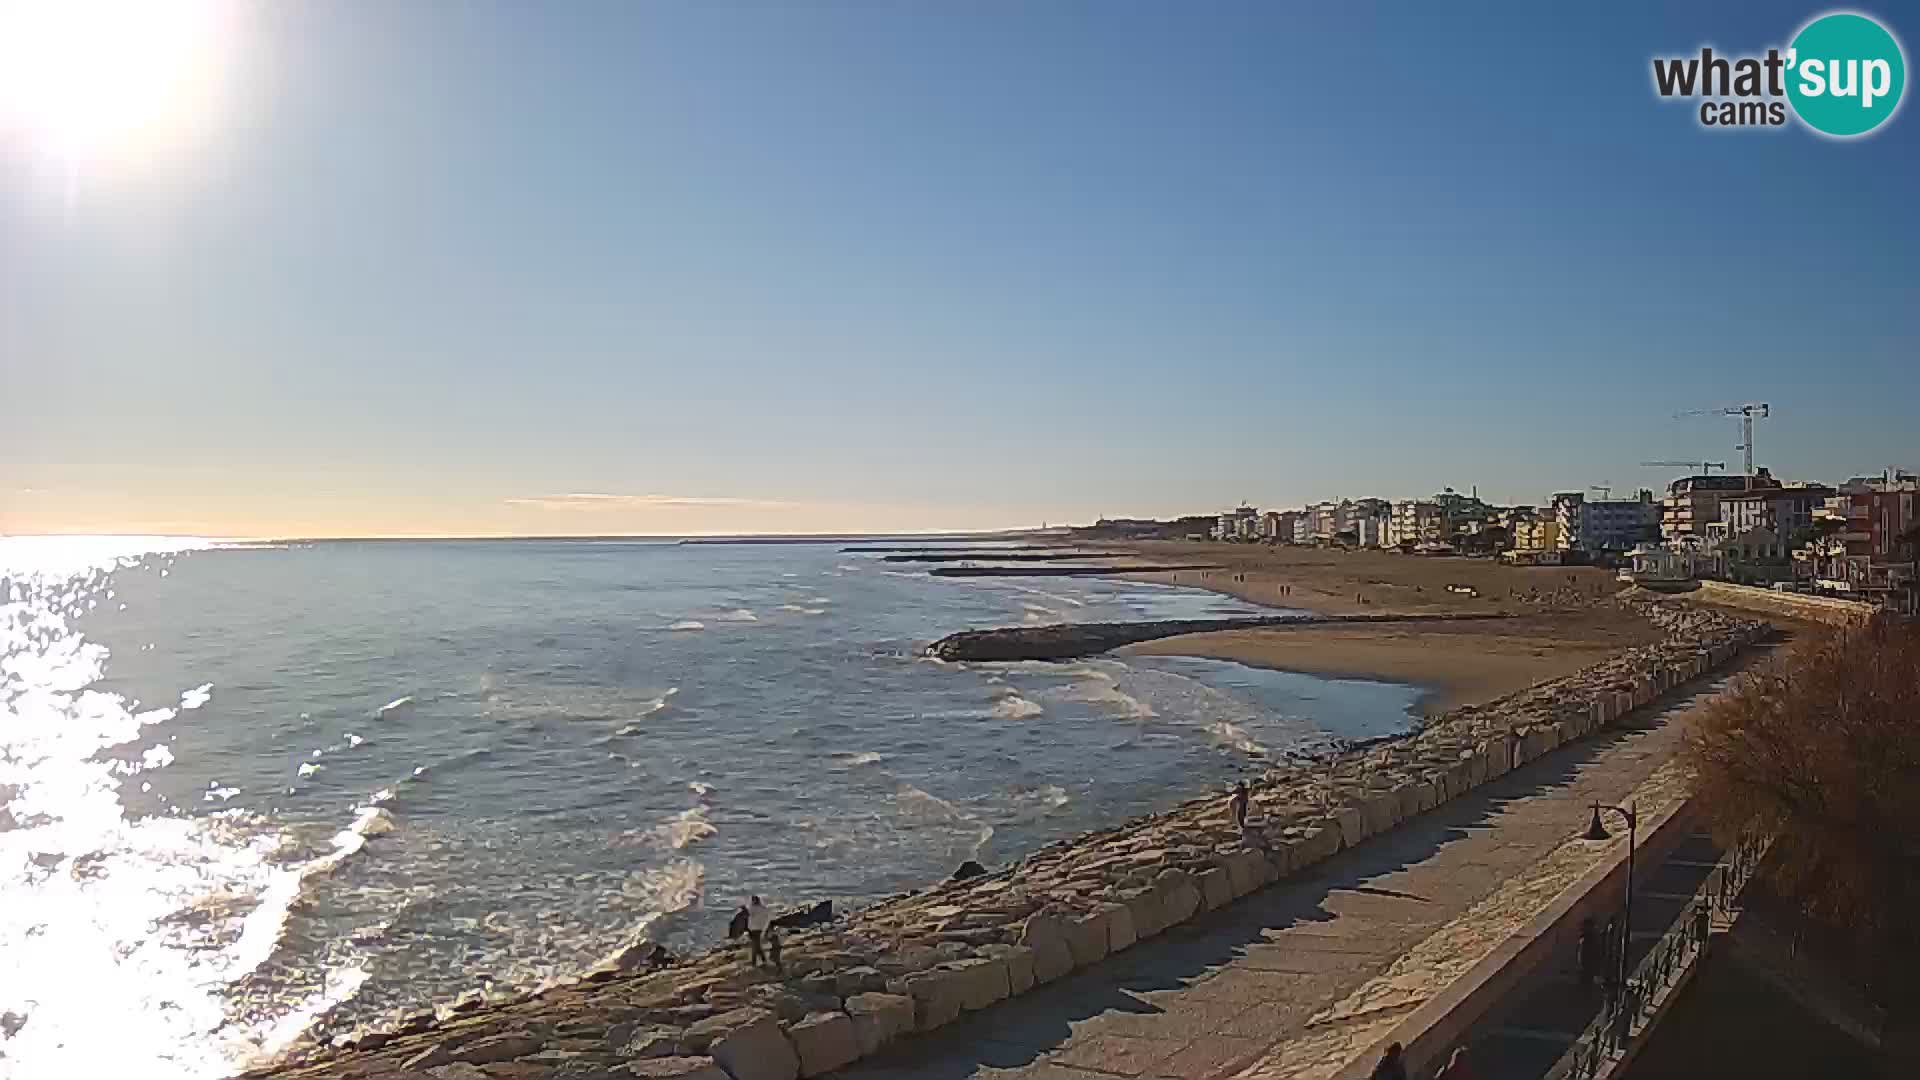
1302 979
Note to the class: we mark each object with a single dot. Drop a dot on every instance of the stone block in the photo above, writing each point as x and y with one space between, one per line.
1408 795
1051 960
858 980
1246 871
648 1041
1430 794
1019 960
1149 917
1120 931
1088 937
755 1049
824 1041
1494 758
1353 825
1216 888
1179 898
674 1068
878 1019
986 979
1313 844
1382 811
938 996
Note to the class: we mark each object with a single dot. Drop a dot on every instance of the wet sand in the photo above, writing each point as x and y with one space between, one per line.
1562 623
1459 663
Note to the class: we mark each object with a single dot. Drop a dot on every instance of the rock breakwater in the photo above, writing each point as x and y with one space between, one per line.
918 961
1065 641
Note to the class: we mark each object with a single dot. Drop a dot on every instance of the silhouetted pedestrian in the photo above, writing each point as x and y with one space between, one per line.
1237 803
1589 951
773 949
1392 1065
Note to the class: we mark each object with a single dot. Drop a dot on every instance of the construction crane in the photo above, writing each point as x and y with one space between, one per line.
1702 467
1747 414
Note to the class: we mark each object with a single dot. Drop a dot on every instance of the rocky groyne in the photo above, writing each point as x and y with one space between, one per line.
918 961
1065 641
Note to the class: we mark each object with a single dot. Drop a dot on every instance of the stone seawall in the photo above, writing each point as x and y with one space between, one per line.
1065 641
1820 609
918 961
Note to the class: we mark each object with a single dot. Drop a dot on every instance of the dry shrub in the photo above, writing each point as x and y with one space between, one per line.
1821 749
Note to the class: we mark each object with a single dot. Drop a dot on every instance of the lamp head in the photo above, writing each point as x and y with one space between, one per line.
1595 830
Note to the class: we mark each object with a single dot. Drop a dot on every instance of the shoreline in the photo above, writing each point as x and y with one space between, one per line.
915 962
1454 662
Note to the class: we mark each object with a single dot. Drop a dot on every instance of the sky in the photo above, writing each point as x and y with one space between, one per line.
608 267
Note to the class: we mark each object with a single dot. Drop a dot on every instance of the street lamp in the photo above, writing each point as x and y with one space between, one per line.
1598 831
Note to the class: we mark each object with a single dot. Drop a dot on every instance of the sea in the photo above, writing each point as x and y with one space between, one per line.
258 794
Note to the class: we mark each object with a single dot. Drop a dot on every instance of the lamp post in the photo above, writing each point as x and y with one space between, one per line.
1598 831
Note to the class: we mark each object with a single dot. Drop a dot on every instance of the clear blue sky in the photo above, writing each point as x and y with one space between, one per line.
798 266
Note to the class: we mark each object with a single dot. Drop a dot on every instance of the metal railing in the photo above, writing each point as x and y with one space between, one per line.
1626 1009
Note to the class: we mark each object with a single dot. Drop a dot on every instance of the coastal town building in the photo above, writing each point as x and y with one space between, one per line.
1693 502
1867 542
1241 523
1278 525
1605 524
1787 510
1537 532
1412 521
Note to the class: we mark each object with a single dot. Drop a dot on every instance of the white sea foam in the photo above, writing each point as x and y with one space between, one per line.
803 610
400 702
1231 734
688 624
737 615
850 760
1015 707
196 697
700 788
309 768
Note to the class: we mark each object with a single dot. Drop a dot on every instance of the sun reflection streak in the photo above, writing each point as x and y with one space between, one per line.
143 920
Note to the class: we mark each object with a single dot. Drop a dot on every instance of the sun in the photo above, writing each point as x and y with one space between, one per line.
95 84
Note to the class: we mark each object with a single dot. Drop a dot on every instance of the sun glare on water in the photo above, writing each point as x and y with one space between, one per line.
95 85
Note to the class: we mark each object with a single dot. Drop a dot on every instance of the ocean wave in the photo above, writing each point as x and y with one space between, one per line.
1231 734
846 759
400 702
309 768
688 827
1015 707
688 624
664 890
196 697
1049 796
737 615
803 610
1101 690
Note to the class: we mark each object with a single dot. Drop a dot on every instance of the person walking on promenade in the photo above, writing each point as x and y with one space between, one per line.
1456 1067
758 919
1392 1065
1237 803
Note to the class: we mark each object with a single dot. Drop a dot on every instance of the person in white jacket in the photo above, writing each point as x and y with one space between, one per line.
758 919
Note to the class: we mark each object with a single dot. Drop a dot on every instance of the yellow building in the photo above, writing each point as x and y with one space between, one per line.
1536 534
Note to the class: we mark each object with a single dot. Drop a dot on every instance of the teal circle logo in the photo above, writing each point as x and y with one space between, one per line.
1845 74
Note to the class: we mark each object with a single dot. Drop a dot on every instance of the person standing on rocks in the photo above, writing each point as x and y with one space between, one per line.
758 919
1238 805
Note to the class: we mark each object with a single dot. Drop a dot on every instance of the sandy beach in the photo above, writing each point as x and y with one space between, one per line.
1561 620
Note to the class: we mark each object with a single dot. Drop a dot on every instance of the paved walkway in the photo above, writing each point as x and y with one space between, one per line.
1539 1020
1303 977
